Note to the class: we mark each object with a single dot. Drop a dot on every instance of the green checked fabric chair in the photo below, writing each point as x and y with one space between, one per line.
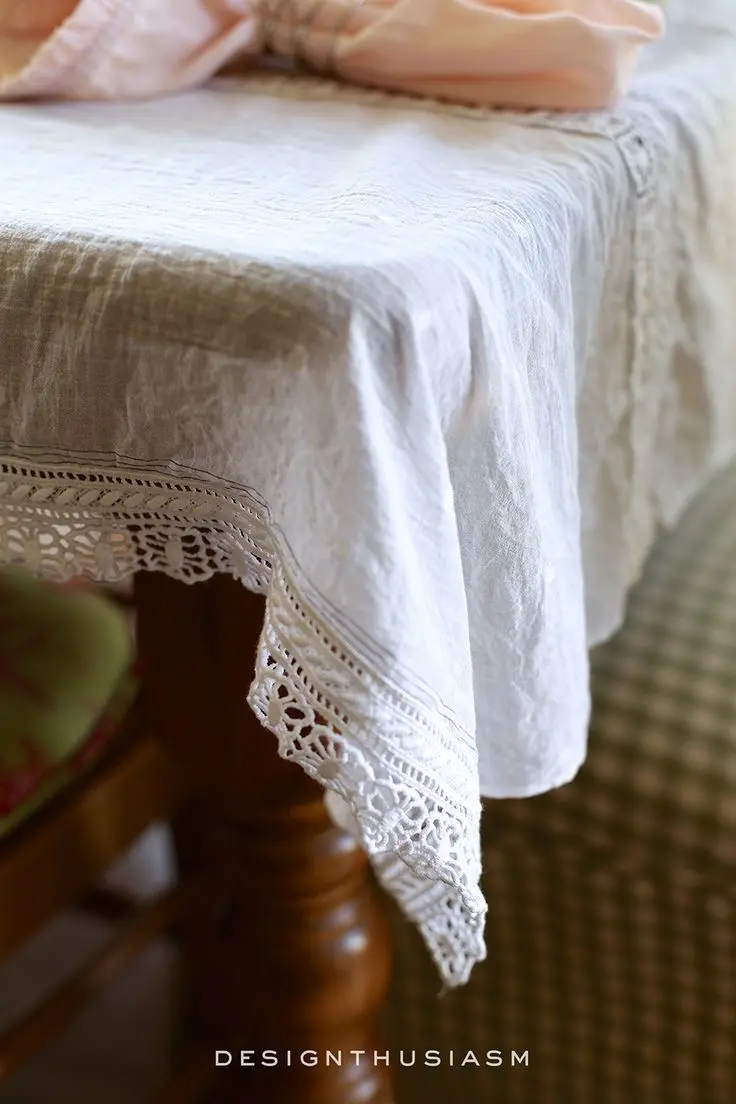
612 926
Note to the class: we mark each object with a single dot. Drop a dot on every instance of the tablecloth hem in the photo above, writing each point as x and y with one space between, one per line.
565 773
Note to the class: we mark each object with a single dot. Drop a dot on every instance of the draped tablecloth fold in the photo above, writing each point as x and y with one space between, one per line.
427 378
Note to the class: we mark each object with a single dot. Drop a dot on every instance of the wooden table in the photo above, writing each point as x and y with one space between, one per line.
288 950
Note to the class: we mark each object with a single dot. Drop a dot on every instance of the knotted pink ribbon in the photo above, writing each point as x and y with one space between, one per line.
559 54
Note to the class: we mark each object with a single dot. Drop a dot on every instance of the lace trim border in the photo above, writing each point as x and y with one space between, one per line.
329 711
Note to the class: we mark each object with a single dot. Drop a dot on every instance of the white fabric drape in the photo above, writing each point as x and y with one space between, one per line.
428 378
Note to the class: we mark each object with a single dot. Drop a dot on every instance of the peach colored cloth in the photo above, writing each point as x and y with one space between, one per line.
566 54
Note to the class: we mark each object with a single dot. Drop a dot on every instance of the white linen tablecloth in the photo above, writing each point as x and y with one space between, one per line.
428 378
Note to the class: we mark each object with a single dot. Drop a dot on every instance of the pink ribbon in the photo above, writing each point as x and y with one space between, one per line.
559 54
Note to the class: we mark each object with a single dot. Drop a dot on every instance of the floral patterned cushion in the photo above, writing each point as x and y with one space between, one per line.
65 676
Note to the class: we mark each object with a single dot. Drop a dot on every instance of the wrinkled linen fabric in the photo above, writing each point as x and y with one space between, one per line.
568 54
428 378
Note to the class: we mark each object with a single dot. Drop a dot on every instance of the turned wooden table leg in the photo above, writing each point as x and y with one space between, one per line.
288 952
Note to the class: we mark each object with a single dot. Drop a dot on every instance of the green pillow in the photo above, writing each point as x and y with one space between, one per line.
64 652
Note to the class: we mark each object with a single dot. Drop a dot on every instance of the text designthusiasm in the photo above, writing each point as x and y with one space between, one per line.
428 1058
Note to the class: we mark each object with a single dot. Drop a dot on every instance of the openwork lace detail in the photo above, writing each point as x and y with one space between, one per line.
331 711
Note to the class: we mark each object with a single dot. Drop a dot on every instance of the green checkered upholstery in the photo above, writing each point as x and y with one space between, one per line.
612 928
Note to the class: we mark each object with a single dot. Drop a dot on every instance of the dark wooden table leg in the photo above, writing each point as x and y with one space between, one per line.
288 953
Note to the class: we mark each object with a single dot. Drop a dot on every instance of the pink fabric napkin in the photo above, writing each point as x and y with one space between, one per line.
560 54
119 49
